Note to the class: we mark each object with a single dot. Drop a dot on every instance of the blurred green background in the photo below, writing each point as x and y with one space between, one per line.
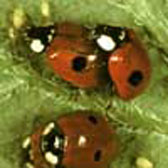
26 97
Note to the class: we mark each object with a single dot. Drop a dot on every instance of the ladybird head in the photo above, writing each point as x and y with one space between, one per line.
44 148
40 37
108 38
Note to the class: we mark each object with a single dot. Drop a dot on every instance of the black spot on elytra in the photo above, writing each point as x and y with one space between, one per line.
135 78
79 63
92 119
97 155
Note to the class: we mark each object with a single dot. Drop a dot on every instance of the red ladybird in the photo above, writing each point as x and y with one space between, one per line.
75 60
129 68
73 141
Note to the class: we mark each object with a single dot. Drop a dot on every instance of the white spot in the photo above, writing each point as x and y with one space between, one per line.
106 43
142 162
82 141
37 46
122 35
51 158
52 31
53 56
92 58
29 165
18 18
45 8
56 142
48 128
50 37
26 143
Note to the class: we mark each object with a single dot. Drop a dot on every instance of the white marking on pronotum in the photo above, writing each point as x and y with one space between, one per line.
142 162
122 35
92 58
82 141
56 142
50 37
106 42
29 165
52 31
45 9
26 143
37 46
51 158
48 128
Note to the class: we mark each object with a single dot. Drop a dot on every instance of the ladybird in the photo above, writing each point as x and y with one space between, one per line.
75 60
129 67
70 53
72 141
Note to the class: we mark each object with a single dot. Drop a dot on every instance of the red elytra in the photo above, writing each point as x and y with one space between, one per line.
99 147
129 67
75 61
89 141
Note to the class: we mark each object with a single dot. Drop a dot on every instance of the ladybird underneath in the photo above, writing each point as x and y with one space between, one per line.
72 141
129 68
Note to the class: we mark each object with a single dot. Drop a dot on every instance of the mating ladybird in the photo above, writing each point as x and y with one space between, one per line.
73 141
72 56
129 67
128 62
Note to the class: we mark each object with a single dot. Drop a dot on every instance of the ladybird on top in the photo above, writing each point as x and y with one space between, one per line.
90 57
72 141
128 63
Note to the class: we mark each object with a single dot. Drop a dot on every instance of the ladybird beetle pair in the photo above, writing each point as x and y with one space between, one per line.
77 140
88 57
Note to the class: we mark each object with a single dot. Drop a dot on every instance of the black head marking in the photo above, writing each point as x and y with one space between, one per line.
27 153
43 34
53 143
118 34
